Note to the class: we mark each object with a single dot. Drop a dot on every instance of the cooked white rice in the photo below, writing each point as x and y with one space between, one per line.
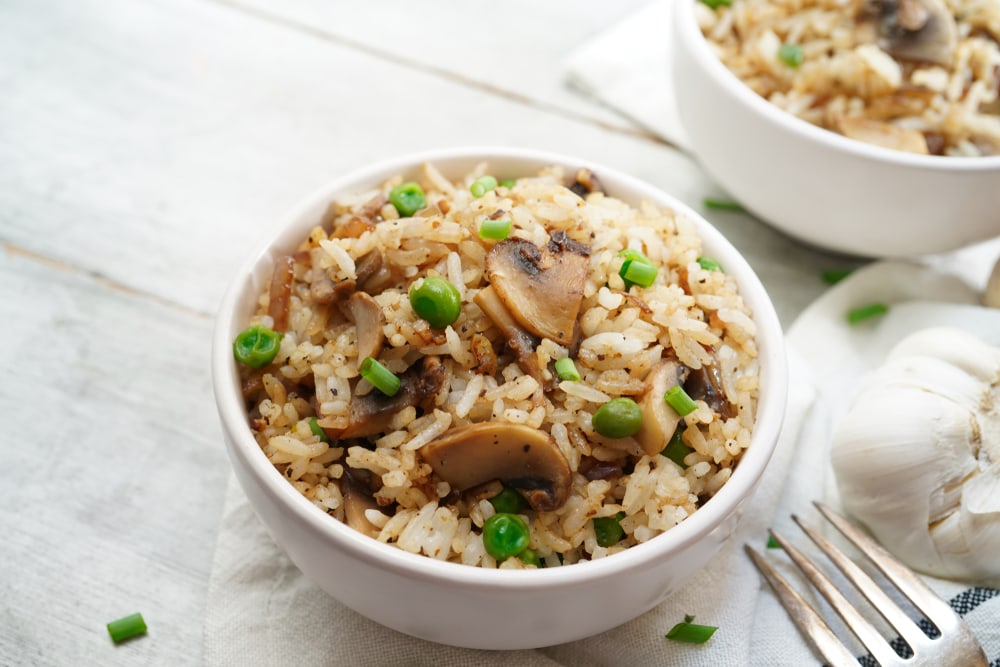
915 75
692 315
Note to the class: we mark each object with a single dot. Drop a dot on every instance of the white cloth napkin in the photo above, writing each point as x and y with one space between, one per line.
627 68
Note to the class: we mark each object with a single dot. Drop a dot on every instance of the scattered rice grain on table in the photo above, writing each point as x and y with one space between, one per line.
363 458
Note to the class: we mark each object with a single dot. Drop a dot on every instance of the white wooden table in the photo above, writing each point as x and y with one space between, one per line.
145 148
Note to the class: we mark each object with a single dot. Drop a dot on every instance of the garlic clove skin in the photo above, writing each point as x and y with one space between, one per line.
917 457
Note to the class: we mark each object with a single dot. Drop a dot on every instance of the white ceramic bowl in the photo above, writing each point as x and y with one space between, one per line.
817 185
458 604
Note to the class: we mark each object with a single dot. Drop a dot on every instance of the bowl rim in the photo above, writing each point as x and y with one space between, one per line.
294 225
686 26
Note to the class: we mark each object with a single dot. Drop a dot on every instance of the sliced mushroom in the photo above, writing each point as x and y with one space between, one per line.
521 457
519 341
483 354
368 320
541 288
370 413
281 291
659 420
919 30
883 134
357 500
705 384
585 181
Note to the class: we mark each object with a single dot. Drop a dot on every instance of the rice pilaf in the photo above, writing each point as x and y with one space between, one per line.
921 76
379 463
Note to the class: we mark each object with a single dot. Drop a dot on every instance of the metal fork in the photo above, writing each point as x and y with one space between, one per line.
955 646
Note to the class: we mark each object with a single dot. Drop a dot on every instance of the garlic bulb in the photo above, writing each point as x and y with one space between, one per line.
917 457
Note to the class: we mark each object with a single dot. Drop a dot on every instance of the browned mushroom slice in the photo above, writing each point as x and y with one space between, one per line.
519 341
883 134
367 266
705 384
920 30
357 500
659 420
367 315
521 457
281 291
541 288
370 413
585 181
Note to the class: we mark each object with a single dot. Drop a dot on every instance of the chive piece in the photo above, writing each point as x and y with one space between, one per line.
676 450
566 370
507 183
791 54
709 264
772 543
318 430
126 628
380 377
632 253
692 633
866 312
715 4
723 204
482 185
639 273
495 229
834 276
679 400
608 529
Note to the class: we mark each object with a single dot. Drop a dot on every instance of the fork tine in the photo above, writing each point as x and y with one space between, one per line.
909 584
862 629
812 626
885 606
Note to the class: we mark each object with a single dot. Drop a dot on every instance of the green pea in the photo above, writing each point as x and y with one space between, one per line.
618 418
608 529
529 557
505 535
408 198
508 501
256 346
436 300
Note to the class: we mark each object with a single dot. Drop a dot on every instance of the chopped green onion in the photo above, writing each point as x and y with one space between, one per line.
679 400
715 4
495 229
436 300
257 346
508 501
691 633
408 198
709 264
508 183
618 418
381 377
772 543
722 204
482 185
676 450
608 529
638 273
318 430
566 370
637 269
126 628
834 276
866 312
790 54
